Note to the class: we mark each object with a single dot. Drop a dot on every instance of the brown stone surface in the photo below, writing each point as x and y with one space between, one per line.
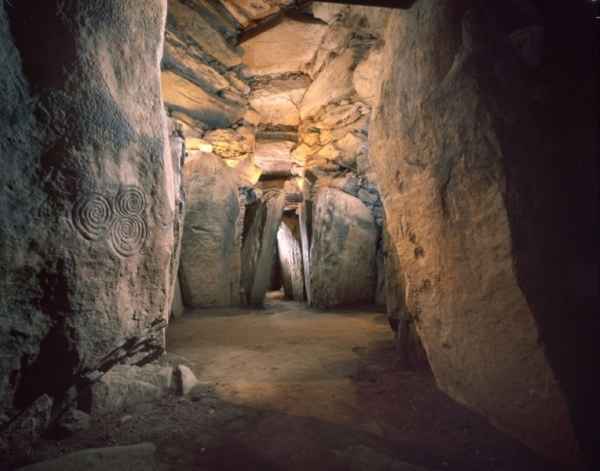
274 156
203 31
88 191
203 108
210 253
186 59
343 250
287 47
278 100
248 11
333 84
235 144
366 79
458 154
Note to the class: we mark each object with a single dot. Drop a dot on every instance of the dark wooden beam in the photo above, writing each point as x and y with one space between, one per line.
258 27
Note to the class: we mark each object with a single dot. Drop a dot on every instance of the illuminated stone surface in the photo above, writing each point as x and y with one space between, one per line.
288 47
453 184
342 257
70 297
210 254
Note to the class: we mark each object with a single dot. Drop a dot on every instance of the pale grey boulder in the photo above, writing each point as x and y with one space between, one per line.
125 386
210 253
343 251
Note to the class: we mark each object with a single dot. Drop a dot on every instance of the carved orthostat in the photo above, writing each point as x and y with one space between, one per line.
120 219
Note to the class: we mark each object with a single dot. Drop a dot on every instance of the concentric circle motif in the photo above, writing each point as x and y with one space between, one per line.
130 201
128 235
92 216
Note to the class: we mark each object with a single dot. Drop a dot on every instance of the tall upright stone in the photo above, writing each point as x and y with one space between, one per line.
290 258
260 239
305 221
210 252
88 200
343 251
478 126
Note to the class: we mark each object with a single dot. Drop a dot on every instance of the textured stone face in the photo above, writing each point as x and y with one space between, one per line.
203 108
247 11
342 257
288 47
277 101
289 249
203 32
321 92
87 233
454 143
210 253
260 239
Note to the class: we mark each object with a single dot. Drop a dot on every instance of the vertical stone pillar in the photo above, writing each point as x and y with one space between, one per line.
290 258
88 196
262 221
483 147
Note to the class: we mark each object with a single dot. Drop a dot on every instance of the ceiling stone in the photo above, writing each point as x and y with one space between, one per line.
288 47
277 101
249 11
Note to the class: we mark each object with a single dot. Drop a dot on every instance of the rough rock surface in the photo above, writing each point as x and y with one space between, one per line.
210 252
260 239
190 22
277 100
321 92
274 157
289 249
178 153
73 421
21 434
469 188
343 251
88 201
285 48
182 95
247 11
140 457
127 385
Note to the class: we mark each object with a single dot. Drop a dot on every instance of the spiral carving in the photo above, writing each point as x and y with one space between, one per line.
130 201
92 216
128 235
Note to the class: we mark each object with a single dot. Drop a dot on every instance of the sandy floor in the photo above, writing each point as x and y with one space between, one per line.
285 358
289 388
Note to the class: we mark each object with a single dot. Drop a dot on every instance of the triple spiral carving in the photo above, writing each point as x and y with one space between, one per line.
121 219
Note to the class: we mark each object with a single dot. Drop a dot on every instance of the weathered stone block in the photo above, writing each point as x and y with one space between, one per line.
343 250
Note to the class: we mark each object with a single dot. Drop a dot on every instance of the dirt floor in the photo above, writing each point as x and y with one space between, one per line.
291 388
